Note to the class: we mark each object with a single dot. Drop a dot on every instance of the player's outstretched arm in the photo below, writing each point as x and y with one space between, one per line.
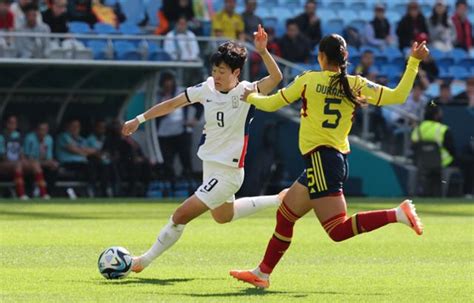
398 95
268 83
158 110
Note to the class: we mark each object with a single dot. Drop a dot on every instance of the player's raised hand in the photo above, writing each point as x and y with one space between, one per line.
247 92
260 39
130 127
420 51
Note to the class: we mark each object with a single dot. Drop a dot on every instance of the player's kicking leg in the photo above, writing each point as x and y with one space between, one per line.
171 232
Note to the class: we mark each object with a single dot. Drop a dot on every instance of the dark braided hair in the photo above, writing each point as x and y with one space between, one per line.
334 46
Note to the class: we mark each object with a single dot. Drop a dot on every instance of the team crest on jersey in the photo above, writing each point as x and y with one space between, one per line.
372 85
235 101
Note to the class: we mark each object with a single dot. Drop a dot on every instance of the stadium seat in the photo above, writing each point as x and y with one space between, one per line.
125 50
134 10
381 59
391 70
458 54
352 51
152 8
467 62
358 24
347 15
359 6
459 72
333 26
264 11
392 54
393 18
437 54
77 27
445 74
374 50
129 29
105 29
283 13
270 22
100 49
326 14
206 28
159 55
446 61
336 5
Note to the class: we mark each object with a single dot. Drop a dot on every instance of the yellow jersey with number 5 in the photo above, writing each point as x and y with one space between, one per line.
326 114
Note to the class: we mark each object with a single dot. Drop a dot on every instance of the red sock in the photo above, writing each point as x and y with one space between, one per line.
341 228
19 183
39 179
280 240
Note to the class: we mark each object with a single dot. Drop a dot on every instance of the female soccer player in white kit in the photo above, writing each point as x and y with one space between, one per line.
223 144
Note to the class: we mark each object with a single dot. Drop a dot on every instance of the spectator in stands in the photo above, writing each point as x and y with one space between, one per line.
309 23
74 155
18 10
467 97
366 66
7 22
95 141
128 160
412 26
38 146
33 47
466 163
294 46
104 13
55 16
181 43
377 31
416 101
256 60
432 130
81 10
13 162
462 25
173 10
251 21
229 22
175 129
162 25
445 97
428 71
6 16
441 29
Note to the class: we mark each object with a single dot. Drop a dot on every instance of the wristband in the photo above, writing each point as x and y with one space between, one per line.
141 118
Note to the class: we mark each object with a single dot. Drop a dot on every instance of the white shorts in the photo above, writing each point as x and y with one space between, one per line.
220 183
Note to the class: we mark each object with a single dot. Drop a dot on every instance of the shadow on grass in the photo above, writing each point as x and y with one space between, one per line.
264 292
25 215
152 281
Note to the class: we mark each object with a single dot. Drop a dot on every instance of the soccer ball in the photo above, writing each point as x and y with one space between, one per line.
115 263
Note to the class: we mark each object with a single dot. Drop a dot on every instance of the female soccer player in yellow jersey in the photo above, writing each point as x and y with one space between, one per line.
329 100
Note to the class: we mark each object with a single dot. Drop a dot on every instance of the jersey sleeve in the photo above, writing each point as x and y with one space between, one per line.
282 97
381 95
49 146
28 146
195 94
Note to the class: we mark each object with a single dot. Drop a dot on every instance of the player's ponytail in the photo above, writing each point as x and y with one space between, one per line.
334 46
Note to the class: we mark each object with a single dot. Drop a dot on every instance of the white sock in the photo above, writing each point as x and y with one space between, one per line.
168 236
260 274
401 217
247 206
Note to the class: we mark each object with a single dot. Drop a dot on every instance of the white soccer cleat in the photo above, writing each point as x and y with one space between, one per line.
24 198
46 197
410 218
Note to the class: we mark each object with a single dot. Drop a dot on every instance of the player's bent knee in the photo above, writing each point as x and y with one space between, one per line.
222 219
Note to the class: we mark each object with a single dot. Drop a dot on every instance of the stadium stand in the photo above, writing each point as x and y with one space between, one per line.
132 45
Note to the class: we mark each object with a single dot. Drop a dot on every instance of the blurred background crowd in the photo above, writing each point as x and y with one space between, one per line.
379 35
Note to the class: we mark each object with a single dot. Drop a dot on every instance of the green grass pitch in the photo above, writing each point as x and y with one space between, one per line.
49 251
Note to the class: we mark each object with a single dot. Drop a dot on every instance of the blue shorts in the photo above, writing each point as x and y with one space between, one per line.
326 171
